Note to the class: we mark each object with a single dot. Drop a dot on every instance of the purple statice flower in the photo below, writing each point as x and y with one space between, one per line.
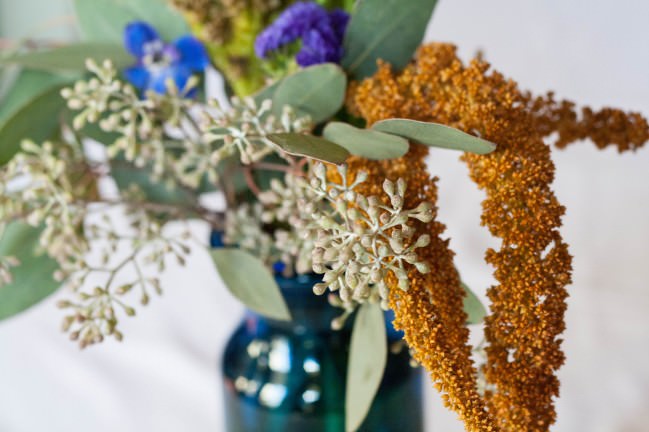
157 61
320 31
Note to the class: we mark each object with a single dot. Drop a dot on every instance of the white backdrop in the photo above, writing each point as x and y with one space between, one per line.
164 376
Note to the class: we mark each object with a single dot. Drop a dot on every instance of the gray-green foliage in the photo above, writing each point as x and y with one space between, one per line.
367 359
104 20
366 143
267 92
69 58
389 30
127 175
27 85
473 307
317 91
32 99
310 146
249 280
31 270
435 135
43 109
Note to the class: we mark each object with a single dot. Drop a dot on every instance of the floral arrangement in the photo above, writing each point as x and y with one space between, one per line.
320 155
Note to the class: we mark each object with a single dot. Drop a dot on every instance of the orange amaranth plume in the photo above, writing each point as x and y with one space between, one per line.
430 313
532 267
606 127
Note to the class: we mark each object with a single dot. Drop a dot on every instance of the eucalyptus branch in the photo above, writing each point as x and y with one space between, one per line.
93 315
268 166
243 129
250 180
53 186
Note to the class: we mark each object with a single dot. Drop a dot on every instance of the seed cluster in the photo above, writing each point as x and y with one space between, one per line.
289 205
137 122
242 129
41 186
190 153
243 228
53 188
324 224
366 238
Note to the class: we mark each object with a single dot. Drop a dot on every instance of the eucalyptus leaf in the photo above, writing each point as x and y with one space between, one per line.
473 307
38 119
367 143
28 84
104 20
32 279
368 353
7 78
390 30
435 135
310 146
126 174
267 92
250 281
70 57
317 91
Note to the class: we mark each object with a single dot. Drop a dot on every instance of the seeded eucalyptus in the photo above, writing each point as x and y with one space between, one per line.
53 188
164 148
302 220
244 128
243 228
141 125
360 239
180 144
353 240
137 121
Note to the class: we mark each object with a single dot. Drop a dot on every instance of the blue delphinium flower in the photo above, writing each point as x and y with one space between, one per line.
157 61
321 33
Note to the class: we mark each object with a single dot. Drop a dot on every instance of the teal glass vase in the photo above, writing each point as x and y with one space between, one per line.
290 376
